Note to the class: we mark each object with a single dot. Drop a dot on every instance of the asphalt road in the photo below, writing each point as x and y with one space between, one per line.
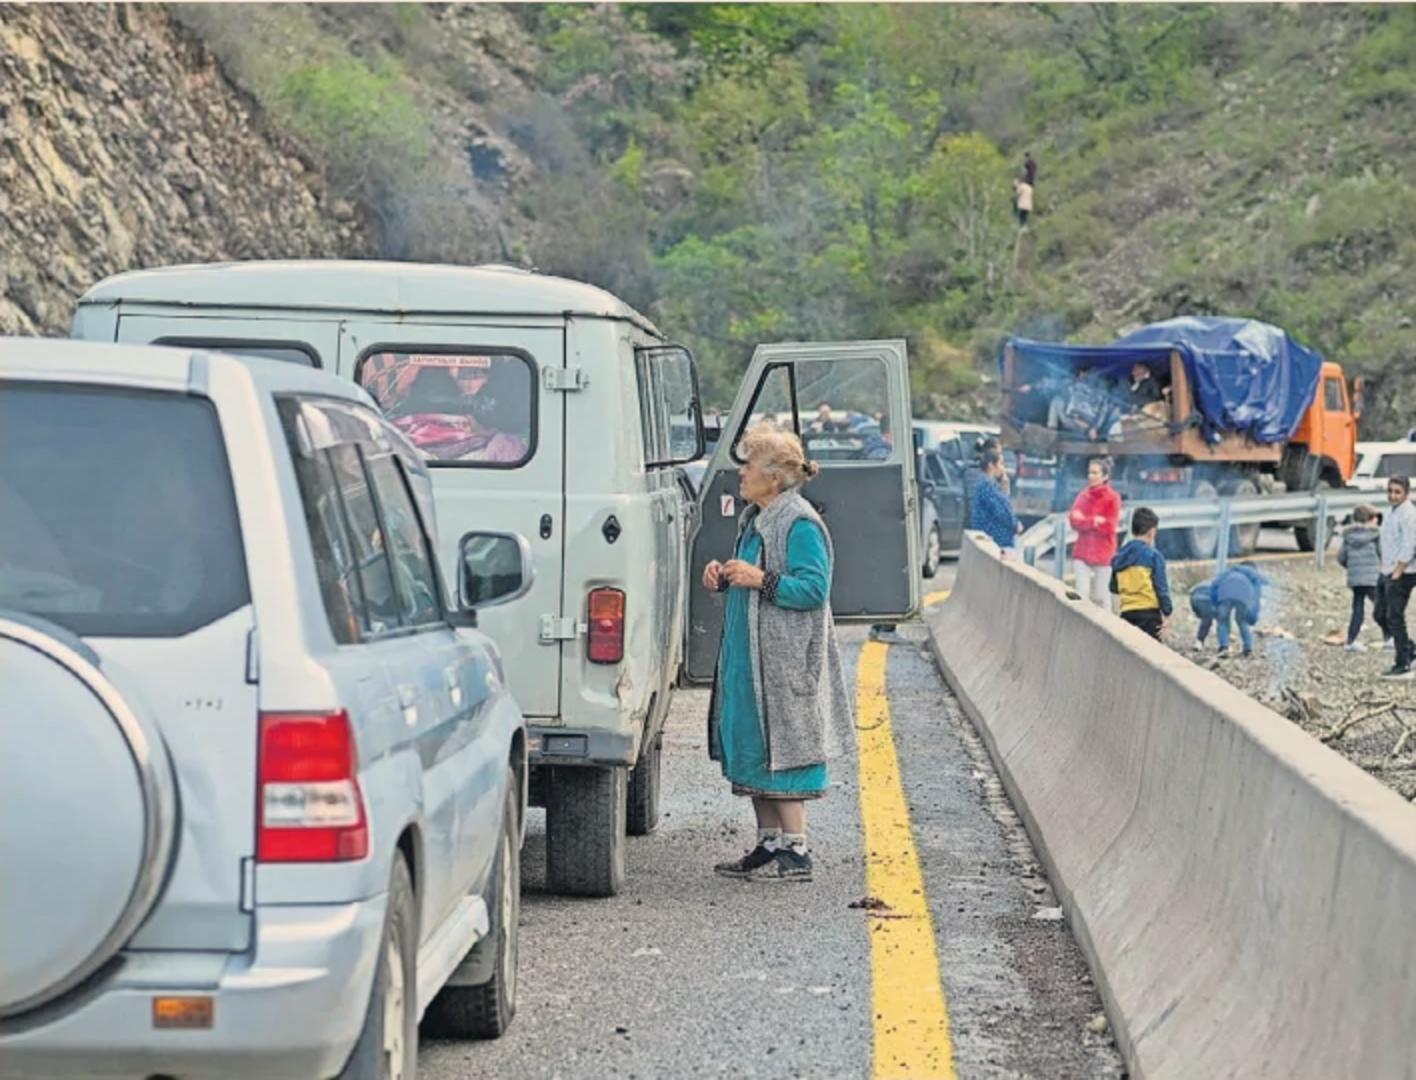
689 975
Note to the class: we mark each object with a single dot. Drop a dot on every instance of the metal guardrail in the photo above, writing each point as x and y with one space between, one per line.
1053 533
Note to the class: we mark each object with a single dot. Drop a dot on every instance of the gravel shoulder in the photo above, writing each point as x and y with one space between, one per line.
1300 670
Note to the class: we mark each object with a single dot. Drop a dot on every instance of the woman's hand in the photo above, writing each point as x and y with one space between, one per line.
711 575
742 574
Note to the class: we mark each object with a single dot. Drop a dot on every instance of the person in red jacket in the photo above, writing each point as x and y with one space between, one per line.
1095 515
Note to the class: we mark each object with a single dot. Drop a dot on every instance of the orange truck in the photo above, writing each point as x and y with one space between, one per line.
1180 421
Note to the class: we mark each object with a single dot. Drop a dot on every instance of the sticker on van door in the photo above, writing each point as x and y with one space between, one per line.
729 505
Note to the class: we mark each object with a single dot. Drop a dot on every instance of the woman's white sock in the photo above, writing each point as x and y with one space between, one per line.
771 839
794 842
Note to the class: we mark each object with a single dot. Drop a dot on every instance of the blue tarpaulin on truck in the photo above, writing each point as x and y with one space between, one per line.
1246 376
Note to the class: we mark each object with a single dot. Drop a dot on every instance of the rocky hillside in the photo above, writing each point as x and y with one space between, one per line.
749 172
122 144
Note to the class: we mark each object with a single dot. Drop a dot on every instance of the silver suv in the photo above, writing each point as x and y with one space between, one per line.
263 785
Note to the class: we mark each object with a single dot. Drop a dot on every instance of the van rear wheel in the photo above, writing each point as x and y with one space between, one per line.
644 785
585 829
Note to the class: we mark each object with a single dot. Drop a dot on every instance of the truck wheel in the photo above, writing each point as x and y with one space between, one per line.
643 812
933 551
388 1044
585 828
484 1010
1202 543
1307 533
1243 539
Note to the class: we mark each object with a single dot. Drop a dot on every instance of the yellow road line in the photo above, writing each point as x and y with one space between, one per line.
930 599
907 997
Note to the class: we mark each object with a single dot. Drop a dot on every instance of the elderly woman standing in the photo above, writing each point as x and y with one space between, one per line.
779 704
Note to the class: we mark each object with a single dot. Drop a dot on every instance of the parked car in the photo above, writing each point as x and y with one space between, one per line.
1378 460
264 790
547 407
942 508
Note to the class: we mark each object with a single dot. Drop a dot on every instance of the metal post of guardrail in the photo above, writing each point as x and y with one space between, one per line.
1221 553
1059 546
1320 531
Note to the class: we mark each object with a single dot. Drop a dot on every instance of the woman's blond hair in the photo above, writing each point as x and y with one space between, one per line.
779 454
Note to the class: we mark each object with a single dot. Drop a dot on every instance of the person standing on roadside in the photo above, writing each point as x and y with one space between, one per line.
1398 547
1360 553
1138 576
778 659
1095 514
991 511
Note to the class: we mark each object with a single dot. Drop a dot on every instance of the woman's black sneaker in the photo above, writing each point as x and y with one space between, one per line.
786 865
753 861
1398 671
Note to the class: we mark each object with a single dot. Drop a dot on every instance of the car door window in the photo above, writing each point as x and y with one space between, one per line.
335 567
382 611
1396 465
415 581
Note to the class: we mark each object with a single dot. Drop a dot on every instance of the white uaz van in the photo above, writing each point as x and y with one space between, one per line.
550 408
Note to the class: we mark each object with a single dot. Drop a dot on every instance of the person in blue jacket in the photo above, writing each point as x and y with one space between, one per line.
1138 576
991 512
1234 595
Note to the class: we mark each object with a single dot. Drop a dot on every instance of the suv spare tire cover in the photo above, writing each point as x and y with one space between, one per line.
87 809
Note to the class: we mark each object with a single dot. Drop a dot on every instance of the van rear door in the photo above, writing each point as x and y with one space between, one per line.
485 405
865 491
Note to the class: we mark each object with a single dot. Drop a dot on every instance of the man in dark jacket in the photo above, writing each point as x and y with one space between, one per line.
1143 389
1029 169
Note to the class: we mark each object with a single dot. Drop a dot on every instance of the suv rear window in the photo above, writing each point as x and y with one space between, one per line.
117 514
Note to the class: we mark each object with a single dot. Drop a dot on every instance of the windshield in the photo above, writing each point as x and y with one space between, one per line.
117 515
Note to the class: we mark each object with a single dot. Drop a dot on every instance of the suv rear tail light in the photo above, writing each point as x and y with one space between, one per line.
606 626
1027 469
308 803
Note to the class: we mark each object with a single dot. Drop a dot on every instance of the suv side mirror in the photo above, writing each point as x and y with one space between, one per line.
493 568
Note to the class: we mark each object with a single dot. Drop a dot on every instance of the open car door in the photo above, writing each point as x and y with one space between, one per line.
850 403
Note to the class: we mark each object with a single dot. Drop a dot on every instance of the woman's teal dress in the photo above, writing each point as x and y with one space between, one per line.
805 585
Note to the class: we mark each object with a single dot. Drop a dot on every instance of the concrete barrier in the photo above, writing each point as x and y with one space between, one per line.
1246 897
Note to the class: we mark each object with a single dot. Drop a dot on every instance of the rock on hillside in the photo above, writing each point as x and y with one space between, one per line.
123 145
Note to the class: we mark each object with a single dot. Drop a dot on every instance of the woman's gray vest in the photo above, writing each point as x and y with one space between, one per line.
803 703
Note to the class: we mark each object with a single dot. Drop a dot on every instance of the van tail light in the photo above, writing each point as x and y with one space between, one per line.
308 804
1027 470
606 626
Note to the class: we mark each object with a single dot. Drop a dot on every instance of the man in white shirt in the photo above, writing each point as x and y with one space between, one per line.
1398 548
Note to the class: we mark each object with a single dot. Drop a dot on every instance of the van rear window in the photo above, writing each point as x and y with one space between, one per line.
117 514
464 407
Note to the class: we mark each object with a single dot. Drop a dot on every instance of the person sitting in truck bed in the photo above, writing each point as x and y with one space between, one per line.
1143 389
1081 402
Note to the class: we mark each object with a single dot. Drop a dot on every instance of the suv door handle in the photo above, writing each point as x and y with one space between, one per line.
453 684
